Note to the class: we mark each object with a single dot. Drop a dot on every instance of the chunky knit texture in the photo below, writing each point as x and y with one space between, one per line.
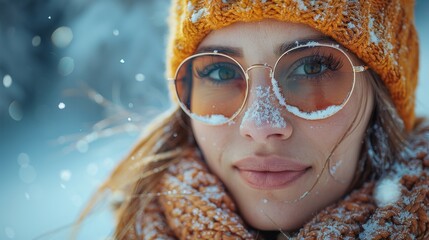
192 204
380 32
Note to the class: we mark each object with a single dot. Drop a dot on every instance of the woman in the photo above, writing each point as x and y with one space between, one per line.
296 120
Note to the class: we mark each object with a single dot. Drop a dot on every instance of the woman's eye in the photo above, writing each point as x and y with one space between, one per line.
313 68
222 74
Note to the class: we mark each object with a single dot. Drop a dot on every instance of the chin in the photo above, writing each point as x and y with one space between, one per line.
275 224
267 218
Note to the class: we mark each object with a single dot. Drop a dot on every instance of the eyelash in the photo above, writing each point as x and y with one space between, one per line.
330 61
210 68
203 73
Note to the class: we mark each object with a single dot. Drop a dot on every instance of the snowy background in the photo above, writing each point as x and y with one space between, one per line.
78 79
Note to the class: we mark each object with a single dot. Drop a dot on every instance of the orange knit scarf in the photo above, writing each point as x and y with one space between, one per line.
195 205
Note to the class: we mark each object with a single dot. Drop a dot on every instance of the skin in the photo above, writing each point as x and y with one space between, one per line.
308 142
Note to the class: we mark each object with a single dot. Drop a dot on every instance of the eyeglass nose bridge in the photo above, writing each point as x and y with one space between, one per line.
260 65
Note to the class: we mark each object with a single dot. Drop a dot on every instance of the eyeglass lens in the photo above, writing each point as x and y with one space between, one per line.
213 87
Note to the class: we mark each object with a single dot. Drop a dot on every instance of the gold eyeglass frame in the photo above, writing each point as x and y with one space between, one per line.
356 69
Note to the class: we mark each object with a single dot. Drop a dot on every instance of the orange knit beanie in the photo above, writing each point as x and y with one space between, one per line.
380 32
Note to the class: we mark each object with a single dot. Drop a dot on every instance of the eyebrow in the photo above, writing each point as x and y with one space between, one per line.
230 51
286 46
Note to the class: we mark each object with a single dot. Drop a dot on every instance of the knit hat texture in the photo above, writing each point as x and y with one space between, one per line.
380 32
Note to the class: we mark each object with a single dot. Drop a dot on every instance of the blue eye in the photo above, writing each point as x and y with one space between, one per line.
311 68
220 72
315 65
223 74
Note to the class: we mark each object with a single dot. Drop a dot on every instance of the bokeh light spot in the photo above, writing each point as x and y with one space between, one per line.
140 77
7 81
77 200
82 146
61 105
98 98
15 111
62 36
10 233
108 163
23 159
92 169
65 175
36 41
27 174
66 66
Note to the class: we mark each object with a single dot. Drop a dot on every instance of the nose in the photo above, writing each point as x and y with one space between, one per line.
263 117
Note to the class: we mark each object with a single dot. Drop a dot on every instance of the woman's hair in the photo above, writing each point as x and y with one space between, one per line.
385 136
135 178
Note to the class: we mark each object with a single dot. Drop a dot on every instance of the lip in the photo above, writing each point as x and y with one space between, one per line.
270 172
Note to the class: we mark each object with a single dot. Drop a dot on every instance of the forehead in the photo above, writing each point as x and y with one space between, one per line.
266 34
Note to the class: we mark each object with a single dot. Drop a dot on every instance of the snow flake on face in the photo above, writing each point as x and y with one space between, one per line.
312 44
262 110
277 92
334 168
231 123
214 119
319 114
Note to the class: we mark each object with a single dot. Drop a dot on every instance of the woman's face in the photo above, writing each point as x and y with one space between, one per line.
281 171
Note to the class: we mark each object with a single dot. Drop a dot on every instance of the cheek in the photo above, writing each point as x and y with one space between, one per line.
212 140
350 127
321 138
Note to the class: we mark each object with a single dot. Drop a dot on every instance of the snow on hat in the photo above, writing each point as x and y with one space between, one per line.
380 32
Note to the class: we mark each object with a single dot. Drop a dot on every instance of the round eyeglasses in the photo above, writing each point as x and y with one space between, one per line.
312 81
